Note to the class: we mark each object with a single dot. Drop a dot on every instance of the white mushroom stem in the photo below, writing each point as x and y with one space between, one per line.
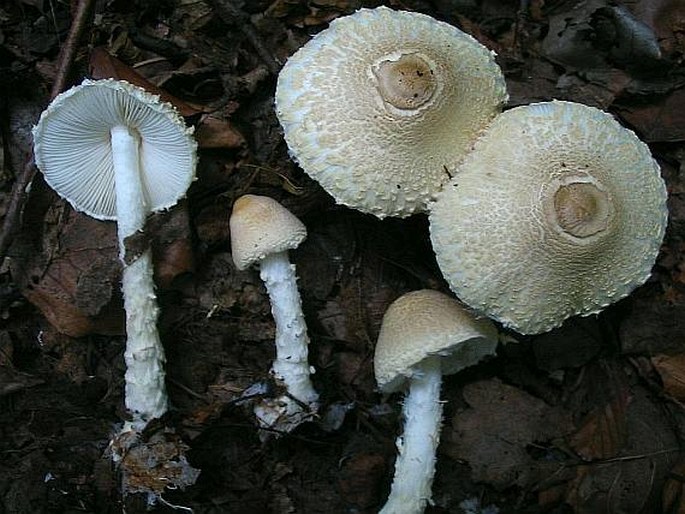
415 464
291 364
145 394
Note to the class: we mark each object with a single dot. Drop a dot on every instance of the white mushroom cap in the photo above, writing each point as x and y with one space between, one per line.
72 146
425 323
378 107
261 226
558 211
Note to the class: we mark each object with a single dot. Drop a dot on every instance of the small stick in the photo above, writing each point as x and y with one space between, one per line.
66 59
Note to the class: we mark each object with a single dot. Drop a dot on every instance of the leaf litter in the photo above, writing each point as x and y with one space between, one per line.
588 417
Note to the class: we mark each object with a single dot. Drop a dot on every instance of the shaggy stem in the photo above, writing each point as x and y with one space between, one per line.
415 464
292 342
145 394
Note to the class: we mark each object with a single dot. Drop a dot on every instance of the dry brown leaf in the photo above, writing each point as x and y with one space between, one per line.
494 433
654 326
621 488
666 18
54 269
673 494
662 120
360 479
214 132
151 466
671 369
603 432
631 481
103 65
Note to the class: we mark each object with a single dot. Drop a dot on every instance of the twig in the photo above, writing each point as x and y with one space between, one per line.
66 59
188 390
231 15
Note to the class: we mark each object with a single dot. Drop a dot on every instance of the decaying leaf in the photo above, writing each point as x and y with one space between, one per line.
153 465
594 34
360 478
493 435
655 325
671 369
103 65
673 496
630 482
56 267
215 132
662 119
603 432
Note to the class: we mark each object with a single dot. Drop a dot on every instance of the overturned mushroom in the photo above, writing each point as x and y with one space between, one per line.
116 152
262 232
379 107
558 211
424 335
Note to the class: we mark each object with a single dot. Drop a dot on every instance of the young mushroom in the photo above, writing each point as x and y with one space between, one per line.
379 107
116 152
558 211
262 232
424 335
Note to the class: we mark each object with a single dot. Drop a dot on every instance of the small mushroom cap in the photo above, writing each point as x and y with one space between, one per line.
378 107
73 150
558 211
261 226
426 323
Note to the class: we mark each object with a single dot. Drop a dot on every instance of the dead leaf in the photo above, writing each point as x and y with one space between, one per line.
568 39
620 488
666 18
12 380
673 495
49 265
629 482
193 14
662 120
595 35
654 326
215 132
360 479
154 464
603 432
671 369
172 246
494 433
103 65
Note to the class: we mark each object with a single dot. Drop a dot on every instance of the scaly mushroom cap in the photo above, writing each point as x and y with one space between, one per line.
72 146
558 211
261 226
424 323
378 107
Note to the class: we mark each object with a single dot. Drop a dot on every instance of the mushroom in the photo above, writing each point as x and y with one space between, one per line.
262 232
379 107
558 211
424 334
116 152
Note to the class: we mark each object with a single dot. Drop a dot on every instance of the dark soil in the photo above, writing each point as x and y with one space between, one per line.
587 418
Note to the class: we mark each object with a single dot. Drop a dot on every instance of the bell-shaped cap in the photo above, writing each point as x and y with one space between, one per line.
261 226
382 105
558 211
426 323
72 146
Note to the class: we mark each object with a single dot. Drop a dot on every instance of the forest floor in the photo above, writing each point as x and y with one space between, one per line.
588 418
